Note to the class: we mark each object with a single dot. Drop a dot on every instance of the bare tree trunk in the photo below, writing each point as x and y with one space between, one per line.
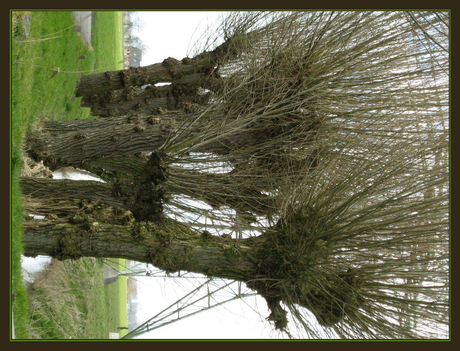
74 229
170 70
181 94
146 202
143 194
80 142
130 100
70 189
168 246
99 83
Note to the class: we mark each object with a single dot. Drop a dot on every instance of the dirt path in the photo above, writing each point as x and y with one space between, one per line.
83 19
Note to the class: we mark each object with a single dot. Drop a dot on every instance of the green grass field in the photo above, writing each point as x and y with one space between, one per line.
117 301
37 96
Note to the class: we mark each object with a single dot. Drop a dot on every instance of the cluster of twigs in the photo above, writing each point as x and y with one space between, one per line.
345 114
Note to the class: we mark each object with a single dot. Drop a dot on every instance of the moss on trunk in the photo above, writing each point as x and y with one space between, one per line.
167 244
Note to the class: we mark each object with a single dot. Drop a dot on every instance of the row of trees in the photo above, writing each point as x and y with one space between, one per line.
323 136
133 22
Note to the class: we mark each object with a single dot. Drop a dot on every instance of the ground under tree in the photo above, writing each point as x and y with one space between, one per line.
327 134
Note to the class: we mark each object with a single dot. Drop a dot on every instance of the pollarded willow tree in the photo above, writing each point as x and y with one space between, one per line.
323 137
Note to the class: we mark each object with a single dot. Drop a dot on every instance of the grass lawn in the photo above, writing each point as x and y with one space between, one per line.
117 293
37 96
108 28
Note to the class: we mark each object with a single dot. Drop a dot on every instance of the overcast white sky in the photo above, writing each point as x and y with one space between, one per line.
172 33
239 319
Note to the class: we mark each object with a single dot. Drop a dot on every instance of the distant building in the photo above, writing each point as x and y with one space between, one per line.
133 57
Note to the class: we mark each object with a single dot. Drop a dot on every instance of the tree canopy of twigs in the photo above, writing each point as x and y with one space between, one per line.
336 123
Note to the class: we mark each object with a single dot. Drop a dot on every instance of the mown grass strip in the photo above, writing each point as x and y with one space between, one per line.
122 299
108 28
39 94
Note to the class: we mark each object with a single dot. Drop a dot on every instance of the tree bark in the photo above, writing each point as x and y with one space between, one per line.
143 194
70 189
115 148
181 94
99 83
168 246
92 230
82 141
130 100
139 197
199 69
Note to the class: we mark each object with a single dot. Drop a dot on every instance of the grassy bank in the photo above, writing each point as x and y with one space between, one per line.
68 300
37 95
117 299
